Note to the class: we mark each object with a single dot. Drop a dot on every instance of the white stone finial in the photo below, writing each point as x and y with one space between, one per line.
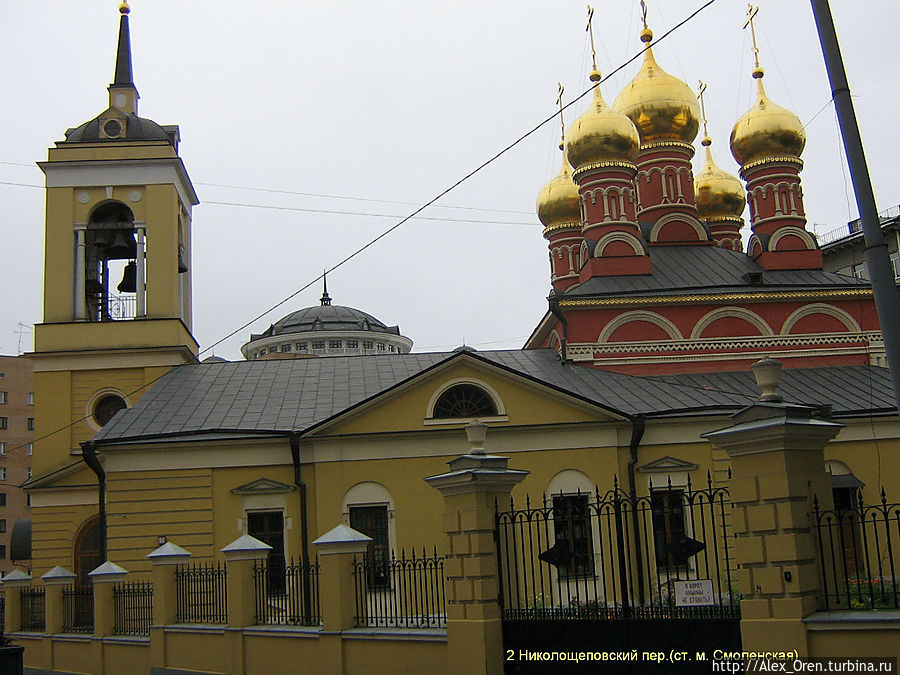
768 376
476 432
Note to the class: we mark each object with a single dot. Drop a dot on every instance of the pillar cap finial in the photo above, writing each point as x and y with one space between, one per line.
476 432
768 376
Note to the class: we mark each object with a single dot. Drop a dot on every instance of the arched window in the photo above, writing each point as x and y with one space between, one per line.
88 550
464 400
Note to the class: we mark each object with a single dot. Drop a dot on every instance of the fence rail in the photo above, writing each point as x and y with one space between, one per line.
32 609
287 594
78 609
132 608
404 592
618 556
859 554
201 595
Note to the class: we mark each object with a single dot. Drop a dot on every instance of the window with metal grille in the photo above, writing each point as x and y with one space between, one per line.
669 536
573 542
268 527
464 400
373 522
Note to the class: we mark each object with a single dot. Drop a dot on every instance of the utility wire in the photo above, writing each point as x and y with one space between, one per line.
404 220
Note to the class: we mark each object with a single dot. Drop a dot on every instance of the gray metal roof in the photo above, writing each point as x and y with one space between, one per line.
707 269
296 395
327 318
848 389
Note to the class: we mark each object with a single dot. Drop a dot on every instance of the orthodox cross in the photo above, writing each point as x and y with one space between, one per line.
590 30
701 89
559 102
751 14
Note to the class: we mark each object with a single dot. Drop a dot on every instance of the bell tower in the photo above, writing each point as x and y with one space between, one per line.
117 301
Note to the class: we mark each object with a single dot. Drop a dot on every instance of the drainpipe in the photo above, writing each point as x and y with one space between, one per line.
559 314
89 455
304 527
637 433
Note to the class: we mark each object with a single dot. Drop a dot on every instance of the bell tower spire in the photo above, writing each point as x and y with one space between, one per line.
122 92
118 207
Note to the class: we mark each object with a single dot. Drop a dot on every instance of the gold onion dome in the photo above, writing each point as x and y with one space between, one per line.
601 134
557 202
766 130
662 107
719 195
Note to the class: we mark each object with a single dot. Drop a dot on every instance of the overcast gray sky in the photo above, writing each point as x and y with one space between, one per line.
387 102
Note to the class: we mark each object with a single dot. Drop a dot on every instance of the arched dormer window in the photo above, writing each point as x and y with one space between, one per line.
464 400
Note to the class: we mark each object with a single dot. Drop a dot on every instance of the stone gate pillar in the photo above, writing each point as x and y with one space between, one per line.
778 466
470 488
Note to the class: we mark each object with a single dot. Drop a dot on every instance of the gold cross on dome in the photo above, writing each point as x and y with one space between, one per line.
751 14
559 102
701 89
590 29
644 12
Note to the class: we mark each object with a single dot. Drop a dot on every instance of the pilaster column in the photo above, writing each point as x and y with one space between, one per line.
80 262
103 579
140 273
778 466
13 583
470 488
54 581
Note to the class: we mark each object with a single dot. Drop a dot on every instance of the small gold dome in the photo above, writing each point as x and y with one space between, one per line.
558 201
601 134
766 130
718 194
662 107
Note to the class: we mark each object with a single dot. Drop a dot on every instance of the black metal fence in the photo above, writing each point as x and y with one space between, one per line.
132 608
78 609
859 554
618 556
32 608
287 594
200 593
404 592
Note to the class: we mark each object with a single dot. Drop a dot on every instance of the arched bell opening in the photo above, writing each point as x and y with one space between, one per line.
113 247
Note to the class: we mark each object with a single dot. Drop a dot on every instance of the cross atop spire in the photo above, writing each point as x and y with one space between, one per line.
562 124
701 89
751 14
122 92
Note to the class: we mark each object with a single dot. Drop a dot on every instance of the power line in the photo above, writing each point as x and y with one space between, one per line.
359 213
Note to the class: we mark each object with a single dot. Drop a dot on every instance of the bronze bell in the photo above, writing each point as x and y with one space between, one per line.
101 240
182 267
129 279
124 246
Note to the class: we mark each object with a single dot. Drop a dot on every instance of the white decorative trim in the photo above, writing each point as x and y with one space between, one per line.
625 237
792 230
498 402
638 315
683 217
731 313
371 493
762 342
96 396
569 482
105 173
820 308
